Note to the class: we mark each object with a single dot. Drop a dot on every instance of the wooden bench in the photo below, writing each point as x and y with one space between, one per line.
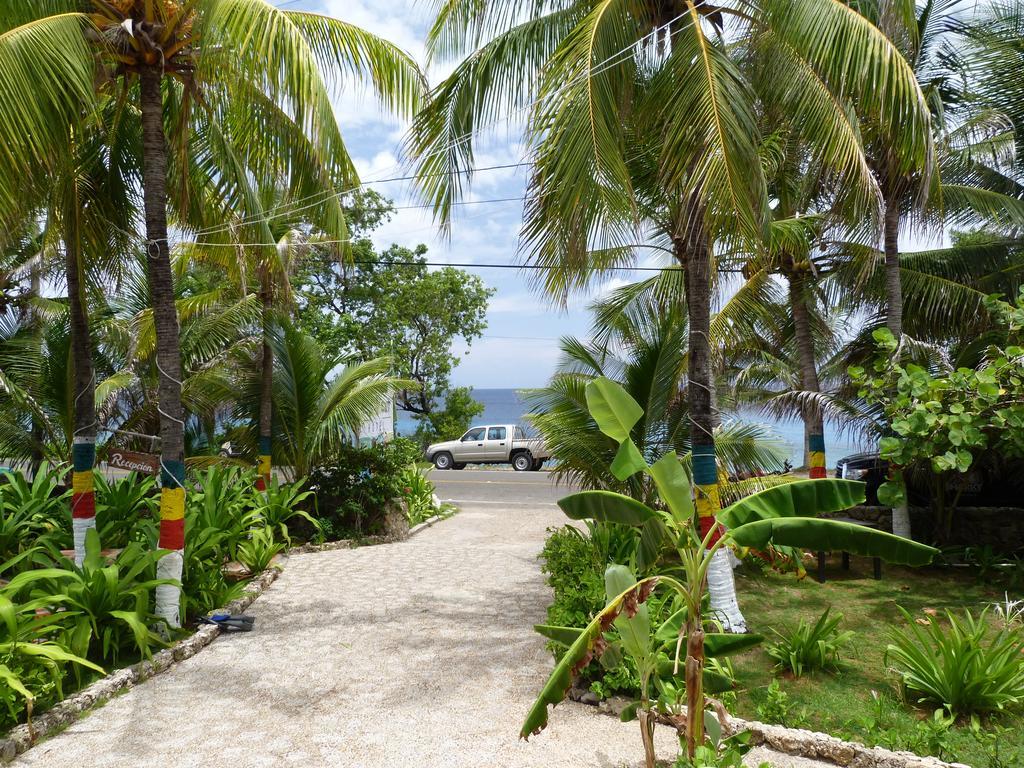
877 561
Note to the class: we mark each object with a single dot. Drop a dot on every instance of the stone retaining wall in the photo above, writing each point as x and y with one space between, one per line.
1001 528
821 746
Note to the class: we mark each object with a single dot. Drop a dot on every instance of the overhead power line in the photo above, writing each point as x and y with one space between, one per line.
599 68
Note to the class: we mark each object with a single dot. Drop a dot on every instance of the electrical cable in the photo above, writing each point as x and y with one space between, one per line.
602 66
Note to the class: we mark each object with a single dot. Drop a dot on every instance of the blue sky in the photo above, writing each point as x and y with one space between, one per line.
520 345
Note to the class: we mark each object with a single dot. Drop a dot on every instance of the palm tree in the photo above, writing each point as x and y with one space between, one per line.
284 236
216 326
229 66
641 344
315 409
640 110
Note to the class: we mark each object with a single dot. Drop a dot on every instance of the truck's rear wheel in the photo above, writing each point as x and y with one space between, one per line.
522 462
443 460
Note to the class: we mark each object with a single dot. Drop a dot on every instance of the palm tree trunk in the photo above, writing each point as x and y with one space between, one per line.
894 322
168 351
35 291
266 389
893 288
83 450
696 259
814 424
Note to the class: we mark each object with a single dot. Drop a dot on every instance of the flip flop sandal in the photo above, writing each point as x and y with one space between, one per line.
229 623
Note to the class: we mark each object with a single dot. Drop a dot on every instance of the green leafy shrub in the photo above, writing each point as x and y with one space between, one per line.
222 500
965 669
33 656
33 514
719 752
353 490
810 647
109 604
776 709
256 552
574 566
418 494
126 510
279 505
203 585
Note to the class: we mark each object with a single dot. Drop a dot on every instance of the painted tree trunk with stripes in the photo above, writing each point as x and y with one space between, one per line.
83 449
694 255
814 422
894 322
266 417
168 351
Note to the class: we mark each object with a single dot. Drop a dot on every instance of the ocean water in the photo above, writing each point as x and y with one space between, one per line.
504 406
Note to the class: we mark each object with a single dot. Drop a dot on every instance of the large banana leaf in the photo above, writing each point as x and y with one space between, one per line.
614 410
714 682
606 506
558 684
635 630
674 486
805 498
654 538
628 460
831 535
716 644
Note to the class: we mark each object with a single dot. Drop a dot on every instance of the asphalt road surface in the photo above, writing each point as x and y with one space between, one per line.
497 486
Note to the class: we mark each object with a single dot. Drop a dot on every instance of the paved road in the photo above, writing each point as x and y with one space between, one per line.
496 486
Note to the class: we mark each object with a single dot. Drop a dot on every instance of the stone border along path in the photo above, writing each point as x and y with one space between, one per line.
403 655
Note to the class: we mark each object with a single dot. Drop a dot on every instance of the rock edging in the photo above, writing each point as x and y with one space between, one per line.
65 712
821 746
801 743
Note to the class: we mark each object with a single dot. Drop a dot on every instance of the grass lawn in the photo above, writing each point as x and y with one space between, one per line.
843 704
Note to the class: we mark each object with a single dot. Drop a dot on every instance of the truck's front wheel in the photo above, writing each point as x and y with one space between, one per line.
443 460
522 462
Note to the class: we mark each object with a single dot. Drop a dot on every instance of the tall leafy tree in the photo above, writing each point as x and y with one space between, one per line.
640 109
391 304
227 65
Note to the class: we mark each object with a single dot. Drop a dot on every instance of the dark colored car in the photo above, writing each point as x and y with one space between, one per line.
869 468
992 482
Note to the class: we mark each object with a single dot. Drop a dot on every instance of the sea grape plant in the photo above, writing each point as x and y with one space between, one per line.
784 515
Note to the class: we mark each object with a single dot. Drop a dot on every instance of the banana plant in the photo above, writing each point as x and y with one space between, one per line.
785 515
651 649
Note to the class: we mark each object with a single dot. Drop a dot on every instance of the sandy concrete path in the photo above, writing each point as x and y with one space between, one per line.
410 655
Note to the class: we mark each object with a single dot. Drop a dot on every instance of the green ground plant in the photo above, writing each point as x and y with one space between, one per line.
256 552
961 665
810 647
777 709
33 657
109 602
126 510
418 493
280 505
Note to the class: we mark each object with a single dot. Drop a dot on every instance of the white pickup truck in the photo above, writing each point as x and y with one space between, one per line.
492 444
